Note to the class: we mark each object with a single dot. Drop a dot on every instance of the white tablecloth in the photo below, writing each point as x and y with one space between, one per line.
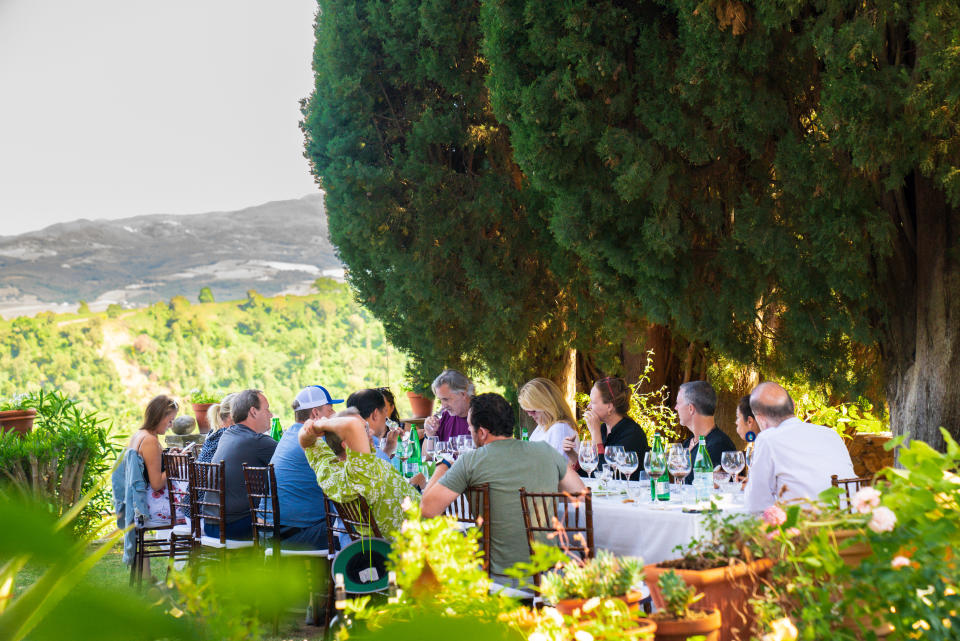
640 528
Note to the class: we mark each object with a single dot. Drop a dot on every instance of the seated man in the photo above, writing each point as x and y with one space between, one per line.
454 391
507 465
696 404
247 442
791 459
345 467
303 522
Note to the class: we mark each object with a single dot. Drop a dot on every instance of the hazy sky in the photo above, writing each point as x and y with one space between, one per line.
114 108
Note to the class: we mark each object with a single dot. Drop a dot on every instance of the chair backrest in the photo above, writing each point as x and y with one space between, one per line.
353 518
846 485
261 485
473 506
568 518
207 489
179 480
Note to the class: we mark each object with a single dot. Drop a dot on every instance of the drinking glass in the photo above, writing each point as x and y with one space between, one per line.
606 473
655 464
628 465
612 456
732 463
678 462
405 451
588 457
428 448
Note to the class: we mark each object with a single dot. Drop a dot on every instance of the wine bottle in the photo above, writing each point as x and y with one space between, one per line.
524 435
703 472
276 432
660 486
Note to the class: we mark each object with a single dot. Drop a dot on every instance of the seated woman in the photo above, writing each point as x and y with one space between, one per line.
747 429
347 467
544 402
219 417
139 483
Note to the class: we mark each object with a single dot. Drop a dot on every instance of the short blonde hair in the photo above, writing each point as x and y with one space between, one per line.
543 395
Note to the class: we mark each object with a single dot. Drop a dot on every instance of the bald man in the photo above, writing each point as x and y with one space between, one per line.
791 459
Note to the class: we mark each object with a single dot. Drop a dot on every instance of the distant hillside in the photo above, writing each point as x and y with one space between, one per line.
115 362
277 247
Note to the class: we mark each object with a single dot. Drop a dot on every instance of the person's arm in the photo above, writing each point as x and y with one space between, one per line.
435 500
571 483
153 459
571 449
350 429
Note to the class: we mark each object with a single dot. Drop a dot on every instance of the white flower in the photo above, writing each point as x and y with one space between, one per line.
590 604
582 635
406 503
553 614
865 500
900 561
538 636
882 520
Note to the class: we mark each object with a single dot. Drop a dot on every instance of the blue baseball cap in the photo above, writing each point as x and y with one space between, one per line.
315 396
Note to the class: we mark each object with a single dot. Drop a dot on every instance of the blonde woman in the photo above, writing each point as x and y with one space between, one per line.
544 402
219 417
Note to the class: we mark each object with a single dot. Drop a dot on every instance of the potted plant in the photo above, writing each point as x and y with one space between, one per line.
17 414
201 402
727 565
677 620
887 566
420 395
604 576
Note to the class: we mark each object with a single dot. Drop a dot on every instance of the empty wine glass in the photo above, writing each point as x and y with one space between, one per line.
428 448
655 464
732 463
588 457
606 473
628 465
678 462
612 456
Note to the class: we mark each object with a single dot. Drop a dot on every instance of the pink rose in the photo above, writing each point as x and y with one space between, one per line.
774 515
793 531
865 500
900 561
882 520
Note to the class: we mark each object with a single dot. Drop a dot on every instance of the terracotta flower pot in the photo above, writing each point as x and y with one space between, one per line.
679 629
727 589
200 411
420 405
852 554
646 629
567 606
19 421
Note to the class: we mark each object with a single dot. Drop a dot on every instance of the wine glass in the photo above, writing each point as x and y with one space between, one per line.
628 465
428 448
655 464
588 457
612 455
606 473
678 462
405 451
732 463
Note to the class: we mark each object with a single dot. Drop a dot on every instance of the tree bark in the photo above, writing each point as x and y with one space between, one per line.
921 344
566 378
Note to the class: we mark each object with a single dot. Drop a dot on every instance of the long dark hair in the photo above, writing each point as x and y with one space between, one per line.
388 396
157 408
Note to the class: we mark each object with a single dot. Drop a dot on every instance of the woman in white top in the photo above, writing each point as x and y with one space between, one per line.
543 401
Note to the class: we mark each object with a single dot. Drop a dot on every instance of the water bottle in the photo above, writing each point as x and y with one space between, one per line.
276 432
660 486
703 472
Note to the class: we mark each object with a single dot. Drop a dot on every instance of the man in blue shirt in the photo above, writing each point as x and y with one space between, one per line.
302 513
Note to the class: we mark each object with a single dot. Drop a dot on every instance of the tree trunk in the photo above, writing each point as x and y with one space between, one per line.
566 378
921 346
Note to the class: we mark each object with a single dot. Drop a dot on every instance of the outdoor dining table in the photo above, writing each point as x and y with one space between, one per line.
644 529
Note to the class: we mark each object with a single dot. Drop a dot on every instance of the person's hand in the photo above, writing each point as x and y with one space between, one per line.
389 444
431 425
571 447
593 424
419 480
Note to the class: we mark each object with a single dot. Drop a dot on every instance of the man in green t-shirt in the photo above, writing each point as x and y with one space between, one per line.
507 465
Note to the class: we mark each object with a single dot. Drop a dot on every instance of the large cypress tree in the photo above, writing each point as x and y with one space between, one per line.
756 174
444 240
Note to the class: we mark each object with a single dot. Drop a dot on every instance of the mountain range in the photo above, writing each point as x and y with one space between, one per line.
278 247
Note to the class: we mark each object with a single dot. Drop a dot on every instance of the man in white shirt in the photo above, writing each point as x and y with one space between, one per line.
791 459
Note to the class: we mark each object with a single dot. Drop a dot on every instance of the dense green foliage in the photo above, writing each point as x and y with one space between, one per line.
445 241
64 457
776 167
778 181
114 366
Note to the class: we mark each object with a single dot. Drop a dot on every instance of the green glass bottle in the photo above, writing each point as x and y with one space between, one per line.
276 432
524 435
660 486
703 472
416 458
